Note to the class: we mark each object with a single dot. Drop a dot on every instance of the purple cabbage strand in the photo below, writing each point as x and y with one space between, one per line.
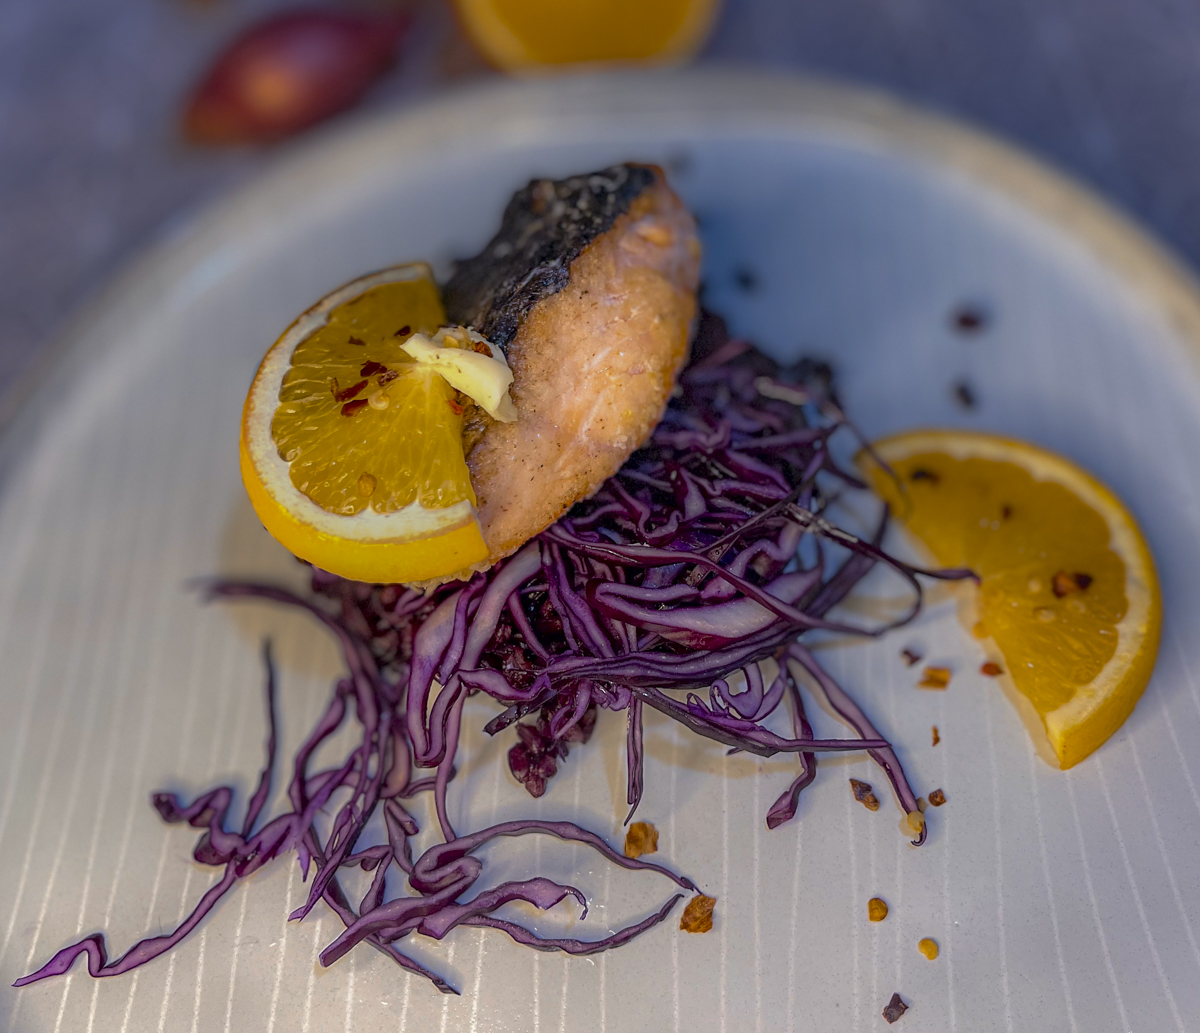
688 566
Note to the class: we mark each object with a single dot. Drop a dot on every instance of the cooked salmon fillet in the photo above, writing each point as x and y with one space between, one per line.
590 287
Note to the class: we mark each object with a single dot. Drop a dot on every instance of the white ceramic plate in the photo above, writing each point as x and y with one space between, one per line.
1061 901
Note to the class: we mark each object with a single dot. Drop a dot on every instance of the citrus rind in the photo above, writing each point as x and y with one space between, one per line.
375 562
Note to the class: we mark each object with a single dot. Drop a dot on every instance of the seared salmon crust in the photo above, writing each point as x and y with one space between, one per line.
544 229
590 287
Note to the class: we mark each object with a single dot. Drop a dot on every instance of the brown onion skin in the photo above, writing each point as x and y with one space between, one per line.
289 72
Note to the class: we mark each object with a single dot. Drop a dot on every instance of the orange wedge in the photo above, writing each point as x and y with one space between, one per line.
351 451
527 35
1068 597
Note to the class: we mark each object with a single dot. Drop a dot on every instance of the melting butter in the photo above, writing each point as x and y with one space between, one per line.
469 363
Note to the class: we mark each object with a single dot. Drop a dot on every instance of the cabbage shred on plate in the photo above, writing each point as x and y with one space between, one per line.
708 552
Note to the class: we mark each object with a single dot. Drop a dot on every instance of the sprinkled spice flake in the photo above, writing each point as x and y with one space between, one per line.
357 340
698 915
355 407
921 474
934 678
877 909
910 656
936 736
929 948
404 331
862 793
345 394
969 319
746 279
964 395
456 406
991 669
894 1008
937 798
371 367
641 838
1066 584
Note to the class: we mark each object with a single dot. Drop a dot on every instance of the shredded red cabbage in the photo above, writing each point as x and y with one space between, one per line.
707 553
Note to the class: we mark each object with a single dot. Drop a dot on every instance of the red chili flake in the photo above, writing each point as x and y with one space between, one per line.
404 331
456 407
934 678
1064 584
991 669
936 737
642 838
964 395
746 279
357 340
697 916
894 1009
355 407
910 656
1005 512
482 348
347 393
968 319
921 474
937 798
371 367
862 793
386 378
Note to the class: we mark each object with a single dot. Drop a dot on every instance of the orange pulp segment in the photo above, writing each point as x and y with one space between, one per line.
1068 593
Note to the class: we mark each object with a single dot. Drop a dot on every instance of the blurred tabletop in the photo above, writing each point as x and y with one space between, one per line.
92 165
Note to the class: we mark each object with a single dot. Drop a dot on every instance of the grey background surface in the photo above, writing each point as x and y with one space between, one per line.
92 167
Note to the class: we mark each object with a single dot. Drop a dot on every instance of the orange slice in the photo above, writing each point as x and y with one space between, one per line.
1068 595
351 451
525 35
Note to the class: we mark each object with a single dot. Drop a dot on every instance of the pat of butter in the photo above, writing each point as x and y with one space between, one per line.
484 379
